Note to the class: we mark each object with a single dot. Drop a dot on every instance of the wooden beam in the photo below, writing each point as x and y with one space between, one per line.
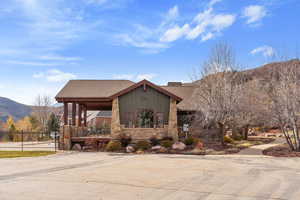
66 114
74 114
80 115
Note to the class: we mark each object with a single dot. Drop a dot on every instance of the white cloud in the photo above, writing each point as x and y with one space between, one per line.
173 13
266 51
29 63
208 36
213 2
135 77
59 58
174 33
206 24
145 76
123 76
254 13
55 75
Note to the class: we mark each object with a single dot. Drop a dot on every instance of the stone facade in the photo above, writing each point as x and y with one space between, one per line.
115 119
145 133
172 128
66 134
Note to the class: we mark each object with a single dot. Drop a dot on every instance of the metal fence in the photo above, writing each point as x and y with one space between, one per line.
28 141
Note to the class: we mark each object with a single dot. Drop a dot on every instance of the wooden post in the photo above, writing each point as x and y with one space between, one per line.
80 115
85 116
66 114
74 114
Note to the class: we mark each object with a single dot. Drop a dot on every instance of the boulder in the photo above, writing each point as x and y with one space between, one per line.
140 152
199 145
178 146
156 148
76 147
130 149
162 150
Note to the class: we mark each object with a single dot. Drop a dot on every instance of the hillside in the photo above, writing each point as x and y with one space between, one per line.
9 107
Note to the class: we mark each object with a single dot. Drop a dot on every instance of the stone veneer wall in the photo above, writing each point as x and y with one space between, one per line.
172 128
145 133
115 119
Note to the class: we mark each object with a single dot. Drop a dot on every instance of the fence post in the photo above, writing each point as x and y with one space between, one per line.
22 140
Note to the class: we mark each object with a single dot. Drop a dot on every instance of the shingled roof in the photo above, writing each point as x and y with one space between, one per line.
93 88
110 88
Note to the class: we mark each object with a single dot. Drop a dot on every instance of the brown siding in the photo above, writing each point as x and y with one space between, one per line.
140 99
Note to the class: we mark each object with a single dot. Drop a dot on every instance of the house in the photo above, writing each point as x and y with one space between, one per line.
140 110
99 119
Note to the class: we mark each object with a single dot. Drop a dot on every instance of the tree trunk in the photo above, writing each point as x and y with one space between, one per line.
221 132
245 132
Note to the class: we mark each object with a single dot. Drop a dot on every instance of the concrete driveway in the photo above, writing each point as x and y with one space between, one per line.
96 176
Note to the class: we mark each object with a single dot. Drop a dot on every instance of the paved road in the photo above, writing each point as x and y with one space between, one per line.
97 176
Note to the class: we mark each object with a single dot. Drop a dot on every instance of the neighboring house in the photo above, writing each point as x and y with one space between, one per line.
140 110
99 119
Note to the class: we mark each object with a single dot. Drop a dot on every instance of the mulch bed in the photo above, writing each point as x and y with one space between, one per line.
281 151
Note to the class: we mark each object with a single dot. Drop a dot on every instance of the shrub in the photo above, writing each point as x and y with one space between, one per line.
167 138
113 146
143 145
237 137
166 143
125 140
228 139
154 141
191 141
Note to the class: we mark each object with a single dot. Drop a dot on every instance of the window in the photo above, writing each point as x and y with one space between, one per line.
145 118
159 119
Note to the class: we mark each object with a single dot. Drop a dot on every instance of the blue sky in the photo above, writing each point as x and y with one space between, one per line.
44 43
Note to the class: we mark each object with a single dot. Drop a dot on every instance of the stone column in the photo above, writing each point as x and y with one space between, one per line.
172 127
115 119
67 135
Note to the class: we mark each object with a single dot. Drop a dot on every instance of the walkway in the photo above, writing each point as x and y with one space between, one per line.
257 149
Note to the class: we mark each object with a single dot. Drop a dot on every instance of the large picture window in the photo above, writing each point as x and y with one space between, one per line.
144 118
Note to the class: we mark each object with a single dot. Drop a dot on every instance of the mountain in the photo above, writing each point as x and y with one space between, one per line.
9 107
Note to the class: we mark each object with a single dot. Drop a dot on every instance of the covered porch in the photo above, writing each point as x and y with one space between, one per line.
74 129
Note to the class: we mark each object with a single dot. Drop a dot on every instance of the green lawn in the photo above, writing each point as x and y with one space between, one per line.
16 154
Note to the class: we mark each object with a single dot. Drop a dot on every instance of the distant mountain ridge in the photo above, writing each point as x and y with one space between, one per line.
12 108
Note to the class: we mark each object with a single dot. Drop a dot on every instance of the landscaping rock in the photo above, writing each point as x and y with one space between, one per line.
156 148
198 152
162 150
76 147
199 146
140 152
178 146
130 149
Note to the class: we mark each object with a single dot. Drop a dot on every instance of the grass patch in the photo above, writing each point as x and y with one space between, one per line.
17 154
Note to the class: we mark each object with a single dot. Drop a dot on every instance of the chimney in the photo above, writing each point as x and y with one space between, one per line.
174 84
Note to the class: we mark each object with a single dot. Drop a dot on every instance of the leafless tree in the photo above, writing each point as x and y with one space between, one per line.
218 89
284 106
42 110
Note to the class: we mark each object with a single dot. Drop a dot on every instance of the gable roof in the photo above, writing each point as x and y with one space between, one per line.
146 83
93 88
186 93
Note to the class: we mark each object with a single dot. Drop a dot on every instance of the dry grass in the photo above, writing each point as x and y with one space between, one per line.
16 154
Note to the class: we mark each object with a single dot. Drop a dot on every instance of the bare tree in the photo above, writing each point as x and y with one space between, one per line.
218 90
284 106
42 110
